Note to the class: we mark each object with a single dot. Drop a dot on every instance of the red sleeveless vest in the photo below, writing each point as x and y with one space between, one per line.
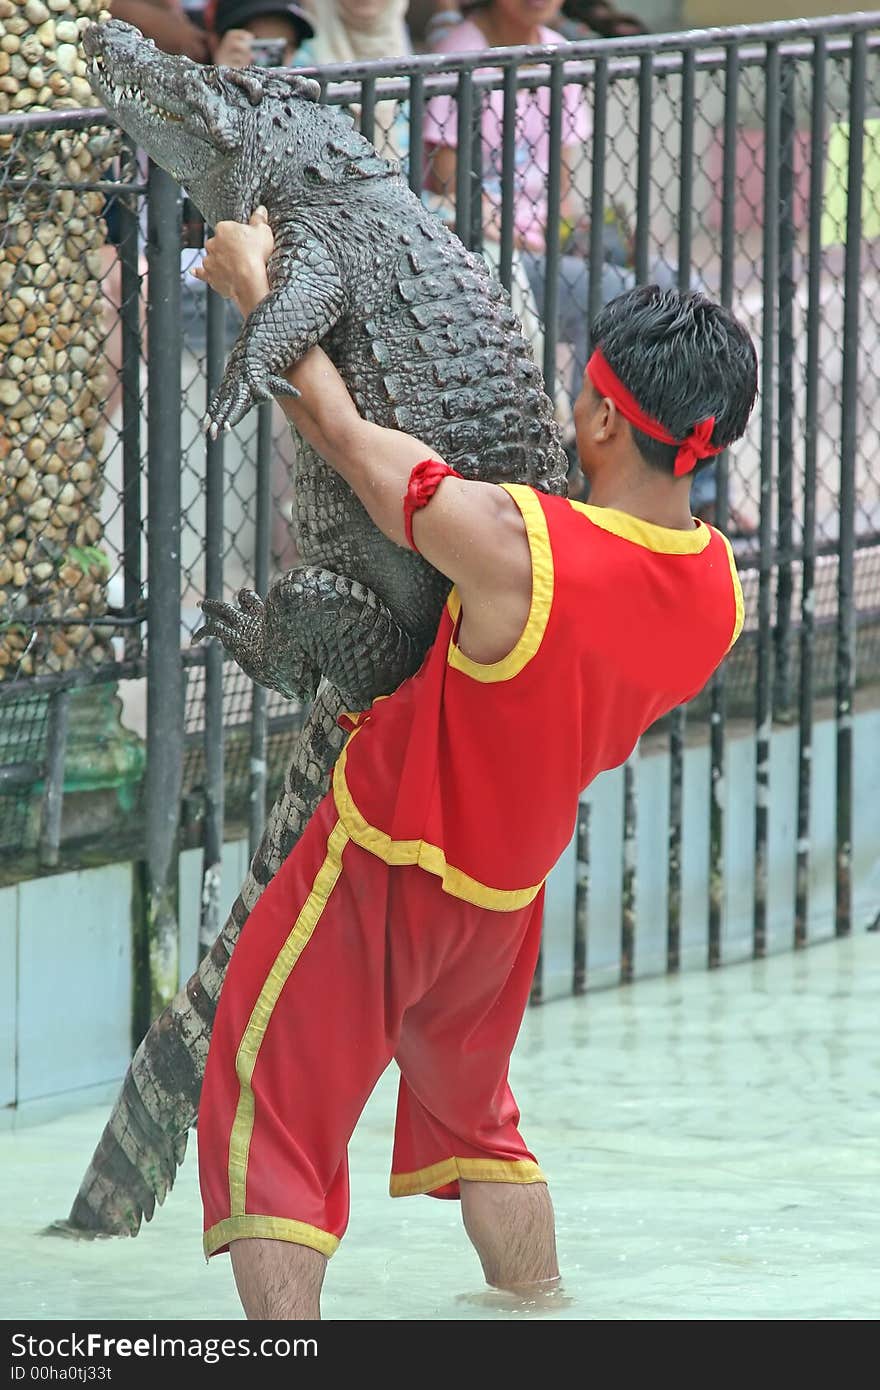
474 771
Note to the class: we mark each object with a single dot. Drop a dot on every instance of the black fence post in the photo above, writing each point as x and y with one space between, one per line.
210 907
763 708
53 793
597 185
582 900
846 626
259 770
368 109
628 890
464 180
130 320
782 693
811 450
718 691
643 166
164 668
551 256
508 153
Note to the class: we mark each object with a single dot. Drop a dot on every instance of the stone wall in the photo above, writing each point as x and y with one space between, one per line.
52 328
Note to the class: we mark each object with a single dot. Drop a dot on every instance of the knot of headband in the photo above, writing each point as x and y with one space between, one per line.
690 450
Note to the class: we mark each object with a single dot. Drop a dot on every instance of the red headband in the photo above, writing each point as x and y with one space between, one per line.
690 450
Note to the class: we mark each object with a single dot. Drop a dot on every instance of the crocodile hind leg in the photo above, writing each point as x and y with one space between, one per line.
144 1140
315 620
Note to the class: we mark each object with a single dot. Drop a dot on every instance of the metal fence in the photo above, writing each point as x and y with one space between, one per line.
743 161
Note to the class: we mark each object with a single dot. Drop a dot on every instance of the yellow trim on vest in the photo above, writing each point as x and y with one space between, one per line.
254 1033
428 857
539 609
517 1170
268 1228
665 540
740 615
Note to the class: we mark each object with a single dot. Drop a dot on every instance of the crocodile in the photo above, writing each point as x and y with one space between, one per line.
427 342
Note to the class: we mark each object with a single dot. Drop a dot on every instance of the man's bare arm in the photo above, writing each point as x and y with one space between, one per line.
472 532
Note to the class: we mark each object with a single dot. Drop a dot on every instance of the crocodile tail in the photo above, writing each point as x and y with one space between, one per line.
144 1140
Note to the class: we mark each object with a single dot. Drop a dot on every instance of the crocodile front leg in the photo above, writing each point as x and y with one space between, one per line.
304 302
315 623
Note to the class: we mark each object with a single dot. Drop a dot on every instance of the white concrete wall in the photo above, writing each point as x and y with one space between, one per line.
605 798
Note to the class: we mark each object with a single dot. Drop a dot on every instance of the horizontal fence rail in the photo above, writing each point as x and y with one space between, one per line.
742 161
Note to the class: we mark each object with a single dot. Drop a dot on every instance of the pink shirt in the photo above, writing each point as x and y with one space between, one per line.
532 145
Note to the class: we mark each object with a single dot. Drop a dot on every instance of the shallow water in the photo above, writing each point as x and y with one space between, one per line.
711 1143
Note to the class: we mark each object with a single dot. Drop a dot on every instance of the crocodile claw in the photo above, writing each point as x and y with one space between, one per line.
238 393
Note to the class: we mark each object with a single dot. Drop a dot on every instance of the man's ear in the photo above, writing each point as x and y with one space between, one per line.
607 421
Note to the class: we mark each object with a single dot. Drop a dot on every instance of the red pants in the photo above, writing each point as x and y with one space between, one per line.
343 964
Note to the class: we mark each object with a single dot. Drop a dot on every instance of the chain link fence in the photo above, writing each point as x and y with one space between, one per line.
729 161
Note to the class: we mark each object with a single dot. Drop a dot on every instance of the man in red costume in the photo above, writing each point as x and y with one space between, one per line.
405 924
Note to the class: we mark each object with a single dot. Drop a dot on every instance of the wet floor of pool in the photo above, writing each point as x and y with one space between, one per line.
711 1141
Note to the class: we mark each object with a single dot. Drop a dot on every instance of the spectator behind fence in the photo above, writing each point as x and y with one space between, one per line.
358 31
267 33
576 20
166 23
500 24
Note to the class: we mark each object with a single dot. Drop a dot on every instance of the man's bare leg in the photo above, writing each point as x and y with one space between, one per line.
511 1227
277 1279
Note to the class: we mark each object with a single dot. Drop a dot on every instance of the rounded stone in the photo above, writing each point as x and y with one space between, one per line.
66 55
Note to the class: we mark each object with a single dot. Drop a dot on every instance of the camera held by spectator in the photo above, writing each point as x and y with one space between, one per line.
266 33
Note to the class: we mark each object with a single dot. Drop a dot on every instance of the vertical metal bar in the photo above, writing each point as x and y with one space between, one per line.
846 625
508 154
463 172
212 850
536 994
53 792
782 694
164 669
476 232
130 434
678 717
811 447
718 689
259 695
686 172
676 807
628 887
582 899
368 108
551 255
643 158
763 721
597 185
728 183
416 127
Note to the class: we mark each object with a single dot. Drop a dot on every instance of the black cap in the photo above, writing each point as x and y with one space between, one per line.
234 14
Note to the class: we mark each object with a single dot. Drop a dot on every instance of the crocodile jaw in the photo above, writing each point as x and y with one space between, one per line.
175 109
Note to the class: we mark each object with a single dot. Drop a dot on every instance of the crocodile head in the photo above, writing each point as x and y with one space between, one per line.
216 130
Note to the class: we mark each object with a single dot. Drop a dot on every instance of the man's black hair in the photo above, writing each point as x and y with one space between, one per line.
684 358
